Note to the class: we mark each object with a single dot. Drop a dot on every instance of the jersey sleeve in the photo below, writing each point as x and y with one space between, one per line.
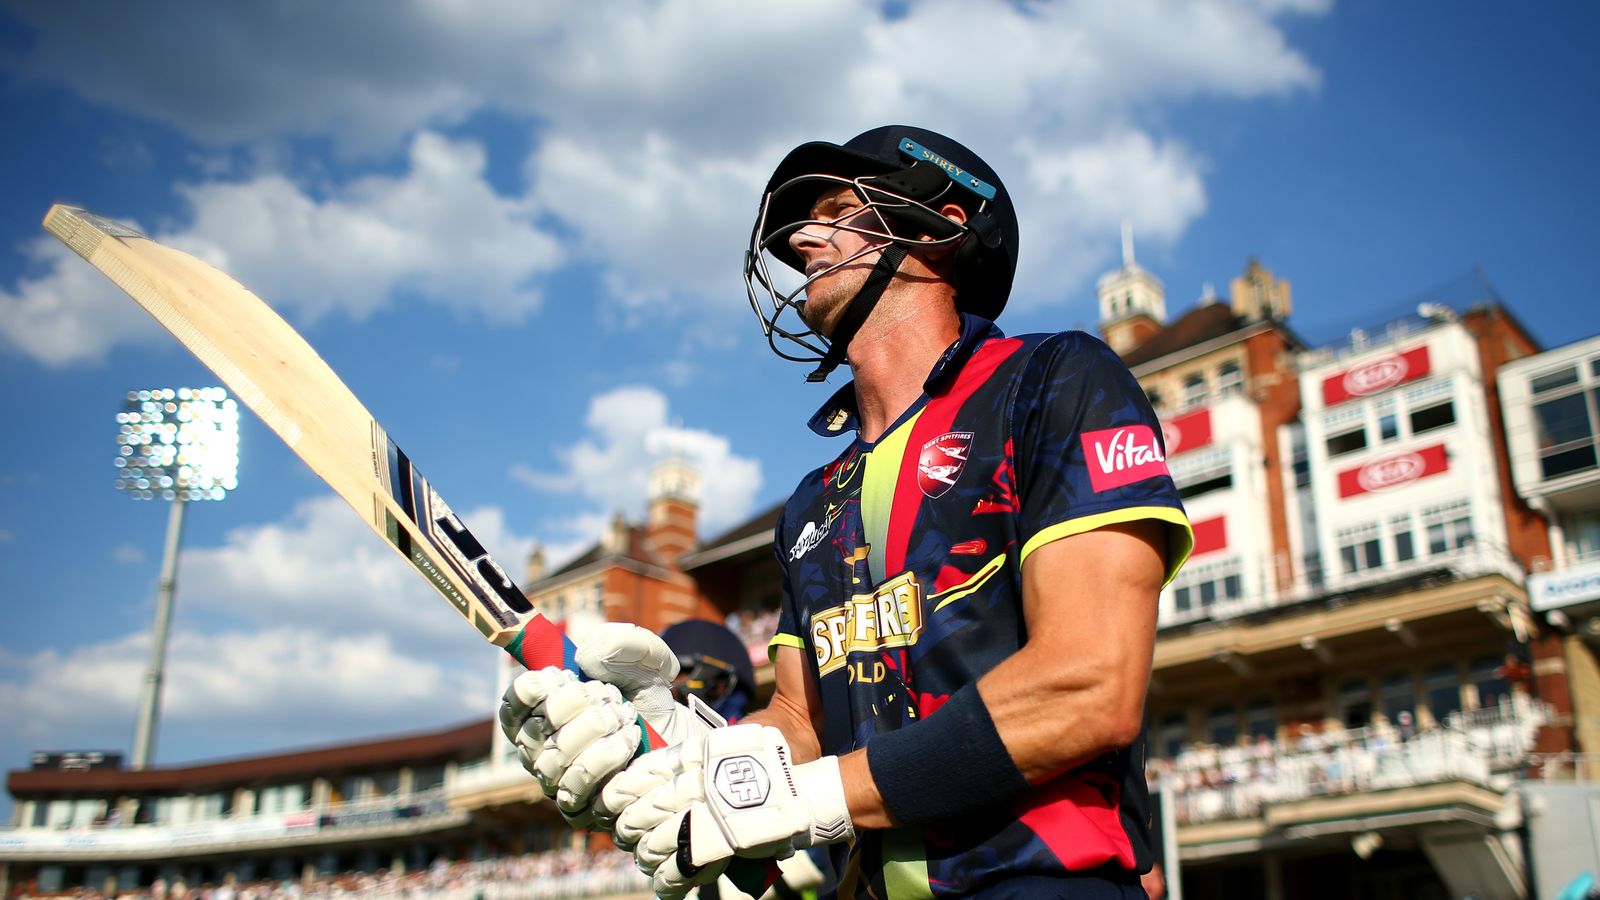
1088 449
788 632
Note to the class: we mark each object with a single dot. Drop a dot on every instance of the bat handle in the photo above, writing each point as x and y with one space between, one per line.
541 644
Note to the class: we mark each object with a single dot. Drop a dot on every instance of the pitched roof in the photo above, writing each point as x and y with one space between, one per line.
462 742
1200 324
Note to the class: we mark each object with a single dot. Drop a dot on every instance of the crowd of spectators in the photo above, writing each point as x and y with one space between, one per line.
1211 782
755 628
550 875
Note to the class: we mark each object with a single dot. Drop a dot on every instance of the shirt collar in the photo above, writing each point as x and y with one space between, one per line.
839 414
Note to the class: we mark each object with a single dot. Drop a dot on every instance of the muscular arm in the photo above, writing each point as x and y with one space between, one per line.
795 709
1077 688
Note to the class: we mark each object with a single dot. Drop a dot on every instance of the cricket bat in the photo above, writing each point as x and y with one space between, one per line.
271 369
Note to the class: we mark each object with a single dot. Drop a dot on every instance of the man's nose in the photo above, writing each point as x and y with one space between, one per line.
805 238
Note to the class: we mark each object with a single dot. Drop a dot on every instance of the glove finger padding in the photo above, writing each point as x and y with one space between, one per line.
689 831
655 807
522 711
629 786
592 723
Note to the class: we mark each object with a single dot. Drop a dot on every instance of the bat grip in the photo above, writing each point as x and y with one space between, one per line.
541 644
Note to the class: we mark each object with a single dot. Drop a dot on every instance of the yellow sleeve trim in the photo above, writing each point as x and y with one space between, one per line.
783 640
1176 555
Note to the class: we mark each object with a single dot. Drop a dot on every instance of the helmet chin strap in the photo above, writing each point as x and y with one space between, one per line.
858 309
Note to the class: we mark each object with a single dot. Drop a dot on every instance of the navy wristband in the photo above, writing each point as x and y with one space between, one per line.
950 764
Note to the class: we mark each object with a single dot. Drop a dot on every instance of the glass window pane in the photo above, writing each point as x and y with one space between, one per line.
1431 417
1567 461
1349 442
1388 427
1561 421
1180 600
1549 381
1373 556
1403 548
1436 542
1222 727
1231 587
1347 559
1208 593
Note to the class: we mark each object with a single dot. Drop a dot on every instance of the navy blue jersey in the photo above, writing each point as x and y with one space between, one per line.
902 569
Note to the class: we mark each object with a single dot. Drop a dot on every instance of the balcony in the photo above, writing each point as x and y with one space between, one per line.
387 816
1356 773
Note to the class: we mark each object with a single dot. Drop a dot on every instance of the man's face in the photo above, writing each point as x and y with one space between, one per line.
822 246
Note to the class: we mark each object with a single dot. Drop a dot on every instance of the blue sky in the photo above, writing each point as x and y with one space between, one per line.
516 232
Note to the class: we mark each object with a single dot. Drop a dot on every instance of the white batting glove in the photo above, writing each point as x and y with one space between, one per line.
749 799
643 667
573 755
570 735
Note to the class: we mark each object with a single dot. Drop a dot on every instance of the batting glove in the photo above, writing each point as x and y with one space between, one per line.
747 799
570 735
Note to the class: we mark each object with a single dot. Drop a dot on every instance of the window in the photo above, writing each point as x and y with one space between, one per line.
1231 587
1172 735
1486 675
1430 417
1451 535
1397 694
1549 381
1561 421
1388 428
1355 703
1229 379
1182 600
1565 433
1208 593
1359 549
1260 719
1154 396
1441 688
1348 442
1222 726
1214 483
1194 390
1400 530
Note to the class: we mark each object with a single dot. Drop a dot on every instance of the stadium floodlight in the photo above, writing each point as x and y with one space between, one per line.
178 445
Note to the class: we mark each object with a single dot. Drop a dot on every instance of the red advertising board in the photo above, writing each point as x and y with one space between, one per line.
1378 375
1189 431
1210 535
1391 472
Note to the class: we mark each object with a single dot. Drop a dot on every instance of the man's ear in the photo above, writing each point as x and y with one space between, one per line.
954 213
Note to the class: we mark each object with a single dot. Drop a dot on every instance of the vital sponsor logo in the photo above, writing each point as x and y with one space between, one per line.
1394 472
1375 376
941 462
742 782
1119 456
890 616
1384 474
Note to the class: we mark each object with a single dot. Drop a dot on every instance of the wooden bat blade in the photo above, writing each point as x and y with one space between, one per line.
272 370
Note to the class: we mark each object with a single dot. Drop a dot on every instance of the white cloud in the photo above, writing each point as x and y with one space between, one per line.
322 568
308 630
228 689
629 432
439 232
68 313
652 133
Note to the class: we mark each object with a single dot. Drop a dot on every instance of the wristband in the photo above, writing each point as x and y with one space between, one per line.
950 764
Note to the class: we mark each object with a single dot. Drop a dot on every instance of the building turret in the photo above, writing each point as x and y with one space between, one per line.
1133 302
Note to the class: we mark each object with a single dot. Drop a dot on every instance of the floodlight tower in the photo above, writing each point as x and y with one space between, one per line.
176 445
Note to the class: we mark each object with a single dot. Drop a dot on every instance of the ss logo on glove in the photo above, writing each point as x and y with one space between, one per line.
742 782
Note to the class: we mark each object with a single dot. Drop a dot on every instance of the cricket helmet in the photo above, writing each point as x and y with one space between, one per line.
903 174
